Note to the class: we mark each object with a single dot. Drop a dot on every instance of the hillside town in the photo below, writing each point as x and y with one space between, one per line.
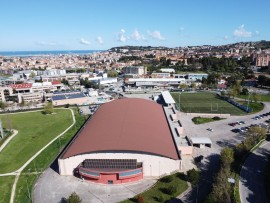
153 101
79 79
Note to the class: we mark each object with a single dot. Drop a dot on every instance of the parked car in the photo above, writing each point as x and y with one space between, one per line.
210 129
242 122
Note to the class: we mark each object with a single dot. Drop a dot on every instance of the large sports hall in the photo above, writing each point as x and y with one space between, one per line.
126 140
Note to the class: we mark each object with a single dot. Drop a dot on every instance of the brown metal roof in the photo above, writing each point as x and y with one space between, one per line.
126 125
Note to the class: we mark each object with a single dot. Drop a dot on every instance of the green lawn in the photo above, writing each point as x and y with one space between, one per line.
158 194
42 161
35 131
205 102
202 120
255 106
6 183
263 97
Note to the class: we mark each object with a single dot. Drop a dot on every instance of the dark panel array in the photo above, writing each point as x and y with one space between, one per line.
67 96
58 97
110 163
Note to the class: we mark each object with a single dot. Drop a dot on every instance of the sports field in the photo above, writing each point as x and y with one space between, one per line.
204 102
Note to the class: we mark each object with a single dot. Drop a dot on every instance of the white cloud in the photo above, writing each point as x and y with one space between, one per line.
181 29
242 32
156 35
99 40
84 41
42 43
121 37
226 37
137 36
257 32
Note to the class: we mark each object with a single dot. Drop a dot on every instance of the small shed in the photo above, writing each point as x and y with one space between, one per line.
200 142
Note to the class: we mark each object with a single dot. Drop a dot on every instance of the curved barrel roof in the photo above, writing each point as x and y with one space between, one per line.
130 124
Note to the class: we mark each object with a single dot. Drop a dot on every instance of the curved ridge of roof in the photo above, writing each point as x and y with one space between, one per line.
129 124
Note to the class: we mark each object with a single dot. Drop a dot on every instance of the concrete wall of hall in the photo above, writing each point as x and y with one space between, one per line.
186 150
104 178
78 101
210 115
153 166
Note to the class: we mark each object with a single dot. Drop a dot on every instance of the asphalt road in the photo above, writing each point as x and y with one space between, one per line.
251 185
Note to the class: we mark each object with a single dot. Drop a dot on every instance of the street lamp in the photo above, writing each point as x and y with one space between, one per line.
249 93
179 101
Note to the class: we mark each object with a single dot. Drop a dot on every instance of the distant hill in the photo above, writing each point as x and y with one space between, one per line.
263 44
133 48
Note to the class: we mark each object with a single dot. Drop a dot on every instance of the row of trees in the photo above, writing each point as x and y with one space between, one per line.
211 64
129 58
76 70
254 135
263 81
88 84
230 160
222 189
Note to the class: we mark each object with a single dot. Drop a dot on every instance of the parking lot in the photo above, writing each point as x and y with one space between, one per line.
88 110
221 136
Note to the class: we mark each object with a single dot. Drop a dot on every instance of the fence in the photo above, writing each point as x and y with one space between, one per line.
240 106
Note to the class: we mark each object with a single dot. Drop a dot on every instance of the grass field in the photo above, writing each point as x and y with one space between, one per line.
205 102
42 161
35 130
6 183
202 120
155 194
263 97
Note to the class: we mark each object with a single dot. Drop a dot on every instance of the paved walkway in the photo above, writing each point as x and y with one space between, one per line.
18 172
15 132
60 187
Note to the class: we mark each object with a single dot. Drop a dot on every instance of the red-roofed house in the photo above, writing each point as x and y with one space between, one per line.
57 84
21 88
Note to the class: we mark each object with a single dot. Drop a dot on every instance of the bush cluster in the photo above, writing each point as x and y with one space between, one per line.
166 179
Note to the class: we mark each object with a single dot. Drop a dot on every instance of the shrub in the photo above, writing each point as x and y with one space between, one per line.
74 198
166 179
169 190
182 176
48 108
67 106
159 198
216 118
193 176
140 199
172 189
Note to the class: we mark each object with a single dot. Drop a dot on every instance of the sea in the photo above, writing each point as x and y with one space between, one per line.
47 53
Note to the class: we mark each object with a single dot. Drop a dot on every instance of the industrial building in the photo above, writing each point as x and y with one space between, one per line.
124 141
63 98
135 70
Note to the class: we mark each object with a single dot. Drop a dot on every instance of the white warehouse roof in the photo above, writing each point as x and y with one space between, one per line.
167 97
167 70
200 140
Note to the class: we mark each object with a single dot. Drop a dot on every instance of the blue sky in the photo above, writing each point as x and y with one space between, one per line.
102 24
